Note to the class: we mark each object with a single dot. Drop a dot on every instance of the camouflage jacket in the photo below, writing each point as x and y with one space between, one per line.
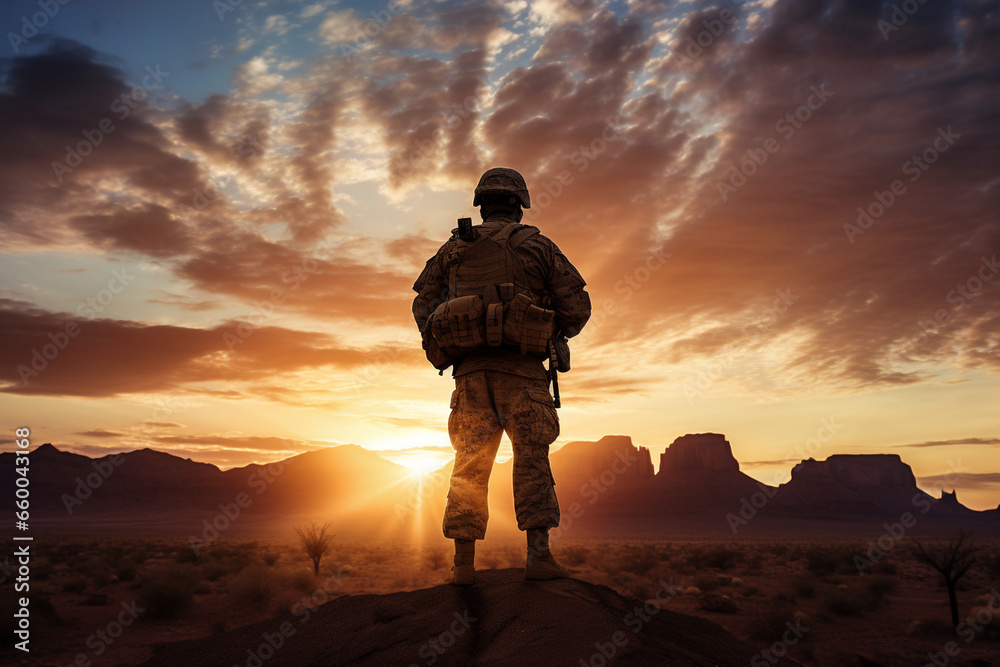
548 273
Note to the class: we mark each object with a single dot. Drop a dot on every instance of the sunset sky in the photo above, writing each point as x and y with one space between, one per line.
212 213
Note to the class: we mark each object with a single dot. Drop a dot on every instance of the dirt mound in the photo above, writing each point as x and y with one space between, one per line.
502 620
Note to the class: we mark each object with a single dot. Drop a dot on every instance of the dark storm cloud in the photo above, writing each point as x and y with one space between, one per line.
60 98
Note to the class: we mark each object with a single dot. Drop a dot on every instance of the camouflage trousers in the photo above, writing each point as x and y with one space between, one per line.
486 404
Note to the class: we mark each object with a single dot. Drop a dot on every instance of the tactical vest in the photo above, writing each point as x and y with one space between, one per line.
489 302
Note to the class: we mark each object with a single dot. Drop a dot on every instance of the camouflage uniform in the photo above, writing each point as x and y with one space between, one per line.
501 390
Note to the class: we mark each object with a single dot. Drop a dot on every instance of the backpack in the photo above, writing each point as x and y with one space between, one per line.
489 304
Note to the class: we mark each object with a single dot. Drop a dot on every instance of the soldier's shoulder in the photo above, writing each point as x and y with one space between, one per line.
537 238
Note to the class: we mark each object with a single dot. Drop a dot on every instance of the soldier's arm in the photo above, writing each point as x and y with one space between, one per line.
570 301
431 288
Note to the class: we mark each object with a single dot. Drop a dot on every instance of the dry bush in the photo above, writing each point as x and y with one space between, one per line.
779 549
168 592
880 585
574 554
769 624
126 570
849 601
829 559
805 585
437 558
707 583
41 570
719 556
74 585
301 580
254 585
638 559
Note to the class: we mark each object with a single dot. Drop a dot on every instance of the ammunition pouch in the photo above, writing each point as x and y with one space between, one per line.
459 323
527 326
439 358
466 324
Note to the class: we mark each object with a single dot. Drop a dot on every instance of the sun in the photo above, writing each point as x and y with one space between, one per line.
423 465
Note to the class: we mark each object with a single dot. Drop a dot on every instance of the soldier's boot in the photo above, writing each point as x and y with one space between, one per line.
541 564
464 570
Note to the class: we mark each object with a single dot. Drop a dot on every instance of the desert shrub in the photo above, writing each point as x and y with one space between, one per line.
639 559
169 592
707 583
301 580
992 562
213 569
269 557
74 585
829 559
779 549
938 625
255 585
719 556
42 570
885 566
186 555
881 584
752 561
769 624
101 578
750 591
437 558
846 601
574 554
804 585
126 570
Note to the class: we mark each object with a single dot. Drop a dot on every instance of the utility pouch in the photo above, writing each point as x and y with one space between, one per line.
528 327
459 323
438 357
562 354
494 324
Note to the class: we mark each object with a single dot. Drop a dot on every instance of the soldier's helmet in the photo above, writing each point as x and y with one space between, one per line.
502 180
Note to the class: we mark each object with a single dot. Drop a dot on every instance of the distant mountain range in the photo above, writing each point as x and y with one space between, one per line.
607 487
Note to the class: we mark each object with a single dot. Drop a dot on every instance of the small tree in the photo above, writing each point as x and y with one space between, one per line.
316 541
952 561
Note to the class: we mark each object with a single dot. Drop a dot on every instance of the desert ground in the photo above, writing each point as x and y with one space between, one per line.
102 602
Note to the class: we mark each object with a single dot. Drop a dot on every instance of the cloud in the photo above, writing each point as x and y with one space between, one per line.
776 462
969 480
112 357
951 443
102 433
410 422
628 156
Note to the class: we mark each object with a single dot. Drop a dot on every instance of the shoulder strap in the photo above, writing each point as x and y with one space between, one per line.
521 235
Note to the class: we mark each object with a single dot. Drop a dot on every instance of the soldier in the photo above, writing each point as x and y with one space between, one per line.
491 303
